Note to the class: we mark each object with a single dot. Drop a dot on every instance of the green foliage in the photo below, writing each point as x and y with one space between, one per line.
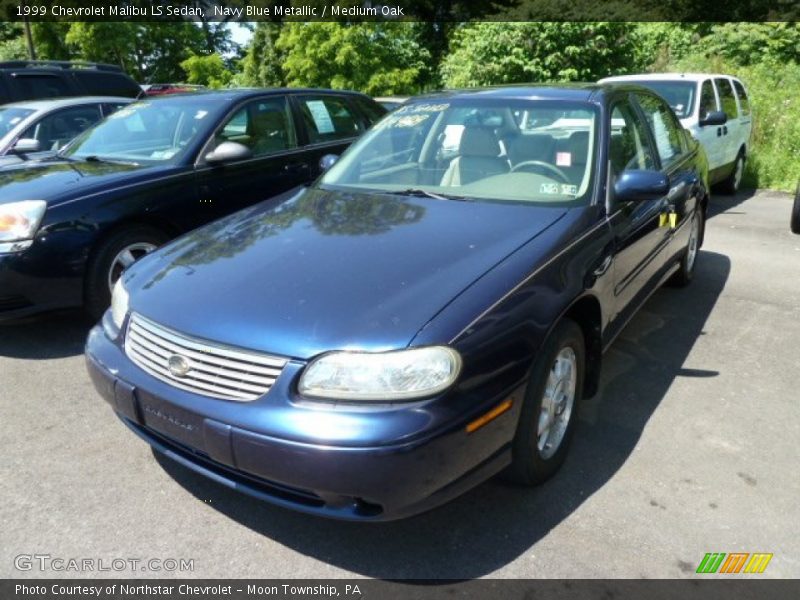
376 58
753 43
492 53
262 65
207 70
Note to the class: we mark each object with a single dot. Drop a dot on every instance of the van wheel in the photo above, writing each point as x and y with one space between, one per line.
685 273
111 258
730 185
547 419
795 223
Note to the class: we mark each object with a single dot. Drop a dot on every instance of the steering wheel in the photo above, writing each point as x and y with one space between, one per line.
540 165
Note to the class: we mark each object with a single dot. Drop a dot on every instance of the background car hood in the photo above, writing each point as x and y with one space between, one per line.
55 180
328 270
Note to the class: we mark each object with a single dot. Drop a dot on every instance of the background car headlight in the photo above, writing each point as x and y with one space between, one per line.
20 220
397 375
119 303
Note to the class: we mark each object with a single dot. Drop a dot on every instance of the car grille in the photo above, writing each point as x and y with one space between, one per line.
213 370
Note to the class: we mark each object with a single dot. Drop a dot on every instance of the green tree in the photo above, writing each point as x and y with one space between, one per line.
262 65
376 58
493 53
207 70
753 43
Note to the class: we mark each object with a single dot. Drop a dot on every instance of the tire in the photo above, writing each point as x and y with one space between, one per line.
688 262
795 222
110 258
533 460
730 185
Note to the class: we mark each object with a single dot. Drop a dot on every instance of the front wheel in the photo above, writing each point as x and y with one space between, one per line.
547 419
685 273
111 258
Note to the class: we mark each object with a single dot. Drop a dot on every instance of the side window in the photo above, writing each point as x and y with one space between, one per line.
667 132
744 101
708 100
265 126
328 118
726 98
629 147
106 84
34 87
55 130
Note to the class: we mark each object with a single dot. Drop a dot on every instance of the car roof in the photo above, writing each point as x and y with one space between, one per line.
64 102
240 93
568 92
664 77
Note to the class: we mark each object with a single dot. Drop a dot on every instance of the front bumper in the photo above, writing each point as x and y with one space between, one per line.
334 461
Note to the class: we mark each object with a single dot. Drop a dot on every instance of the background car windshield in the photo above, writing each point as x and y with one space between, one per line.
147 131
678 94
523 151
11 117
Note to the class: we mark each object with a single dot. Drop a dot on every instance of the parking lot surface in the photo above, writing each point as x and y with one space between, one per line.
690 447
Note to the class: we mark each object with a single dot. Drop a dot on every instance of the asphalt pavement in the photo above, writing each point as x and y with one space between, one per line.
690 447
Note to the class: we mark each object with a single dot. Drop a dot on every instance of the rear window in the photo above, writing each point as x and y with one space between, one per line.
744 101
107 84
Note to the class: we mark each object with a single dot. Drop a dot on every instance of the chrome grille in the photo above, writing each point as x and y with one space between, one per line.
214 370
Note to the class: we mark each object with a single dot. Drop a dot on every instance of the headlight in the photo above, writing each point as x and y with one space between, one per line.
119 303
20 220
398 375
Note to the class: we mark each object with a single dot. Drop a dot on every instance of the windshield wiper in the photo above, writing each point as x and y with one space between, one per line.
93 158
421 192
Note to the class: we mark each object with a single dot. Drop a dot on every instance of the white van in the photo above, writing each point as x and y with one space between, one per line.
695 97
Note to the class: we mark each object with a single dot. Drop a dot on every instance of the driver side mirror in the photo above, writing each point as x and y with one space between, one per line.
715 117
327 161
640 185
228 152
26 145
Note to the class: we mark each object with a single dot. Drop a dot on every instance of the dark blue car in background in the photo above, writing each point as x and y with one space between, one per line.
70 224
428 314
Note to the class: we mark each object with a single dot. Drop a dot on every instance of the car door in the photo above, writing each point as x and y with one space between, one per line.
745 115
710 136
635 225
330 123
731 130
266 126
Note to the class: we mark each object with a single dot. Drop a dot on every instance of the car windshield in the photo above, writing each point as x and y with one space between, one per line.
678 94
147 131
530 151
11 116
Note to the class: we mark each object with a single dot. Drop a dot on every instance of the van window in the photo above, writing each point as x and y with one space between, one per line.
708 100
744 101
726 98
107 84
34 87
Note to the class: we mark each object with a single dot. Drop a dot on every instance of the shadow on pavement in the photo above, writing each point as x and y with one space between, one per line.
52 335
495 523
722 203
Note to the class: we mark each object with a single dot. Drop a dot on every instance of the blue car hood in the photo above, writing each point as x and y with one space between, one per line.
325 270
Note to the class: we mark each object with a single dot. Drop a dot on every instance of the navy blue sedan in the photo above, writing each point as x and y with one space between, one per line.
426 315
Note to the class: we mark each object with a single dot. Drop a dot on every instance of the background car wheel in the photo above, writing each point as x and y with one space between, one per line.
795 223
111 258
685 273
734 180
548 414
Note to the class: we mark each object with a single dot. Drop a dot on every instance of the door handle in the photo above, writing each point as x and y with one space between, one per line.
719 131
725 130
601 270
300 166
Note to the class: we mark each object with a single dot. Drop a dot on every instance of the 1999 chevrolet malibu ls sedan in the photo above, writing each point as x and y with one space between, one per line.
429 313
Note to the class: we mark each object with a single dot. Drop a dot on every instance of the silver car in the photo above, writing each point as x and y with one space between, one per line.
35 128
